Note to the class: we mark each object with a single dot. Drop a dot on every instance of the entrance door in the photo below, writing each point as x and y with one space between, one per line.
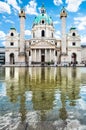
11 58
74 58
42 58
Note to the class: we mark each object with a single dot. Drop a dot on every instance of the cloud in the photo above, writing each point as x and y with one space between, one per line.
2 35
20 1
14 4
57 2
4 8
83 39
31 8
55 22
27 32
9 21
73 5
80 22
3 43
58 34
4 17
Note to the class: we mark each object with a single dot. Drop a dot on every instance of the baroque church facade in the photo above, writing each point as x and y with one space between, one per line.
43 48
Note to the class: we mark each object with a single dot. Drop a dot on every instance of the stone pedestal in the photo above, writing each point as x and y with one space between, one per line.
64 59
21 59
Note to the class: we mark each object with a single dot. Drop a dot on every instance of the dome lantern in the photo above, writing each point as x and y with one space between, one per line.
43 10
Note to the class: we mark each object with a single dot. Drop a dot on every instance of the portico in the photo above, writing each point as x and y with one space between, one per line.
43 55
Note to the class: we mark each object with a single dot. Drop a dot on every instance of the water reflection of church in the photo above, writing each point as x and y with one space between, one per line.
43 83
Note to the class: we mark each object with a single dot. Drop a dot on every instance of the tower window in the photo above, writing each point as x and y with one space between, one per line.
73 43
11 43
55 53
12 34
42 21
73 34
56 43
43 33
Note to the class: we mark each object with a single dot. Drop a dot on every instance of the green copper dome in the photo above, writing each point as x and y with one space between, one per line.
43 18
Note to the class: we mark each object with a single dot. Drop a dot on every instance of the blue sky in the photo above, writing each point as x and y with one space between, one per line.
9 10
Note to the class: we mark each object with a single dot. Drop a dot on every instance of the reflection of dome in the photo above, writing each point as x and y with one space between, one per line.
43 18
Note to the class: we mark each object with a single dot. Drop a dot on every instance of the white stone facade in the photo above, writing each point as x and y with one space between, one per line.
43 48
12 47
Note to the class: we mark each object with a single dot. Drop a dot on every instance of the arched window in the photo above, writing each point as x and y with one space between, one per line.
56 43
29 53
42 21
43 33
55 53
73 43
12 43
12 34
33 35
22 11
52 35
73 34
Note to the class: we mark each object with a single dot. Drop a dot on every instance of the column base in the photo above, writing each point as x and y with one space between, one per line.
21 59
64 58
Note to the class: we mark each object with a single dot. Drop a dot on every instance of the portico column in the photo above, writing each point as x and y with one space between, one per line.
54 55
30 57
39 55
50 55
45 55
35 55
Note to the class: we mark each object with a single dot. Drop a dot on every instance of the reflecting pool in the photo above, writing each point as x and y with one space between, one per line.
42 98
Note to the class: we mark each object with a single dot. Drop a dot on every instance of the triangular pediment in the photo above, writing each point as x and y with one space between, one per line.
43 44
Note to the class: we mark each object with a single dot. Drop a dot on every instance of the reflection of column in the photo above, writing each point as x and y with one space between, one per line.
63 112
22 81
23 108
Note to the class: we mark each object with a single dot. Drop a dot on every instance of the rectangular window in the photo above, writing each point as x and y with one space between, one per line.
11 43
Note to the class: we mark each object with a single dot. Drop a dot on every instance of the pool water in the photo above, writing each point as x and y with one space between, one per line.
43 98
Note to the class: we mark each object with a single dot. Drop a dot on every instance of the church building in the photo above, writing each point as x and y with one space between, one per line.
43 48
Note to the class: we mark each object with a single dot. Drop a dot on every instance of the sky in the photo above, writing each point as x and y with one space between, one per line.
9 10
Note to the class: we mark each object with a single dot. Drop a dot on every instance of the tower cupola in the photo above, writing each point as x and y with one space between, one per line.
63 13
22 13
